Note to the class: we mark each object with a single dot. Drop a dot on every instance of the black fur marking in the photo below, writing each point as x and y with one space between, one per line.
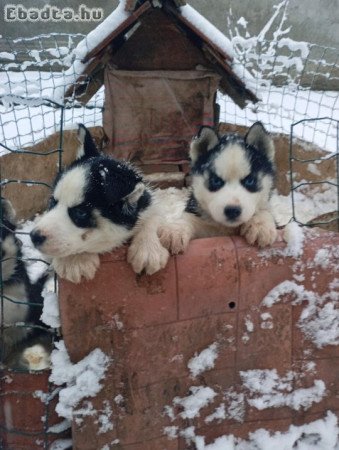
19 274
144 201
82 216
124 213
36 299
258 159
205 159
250 183
90 149
108 183
192 206
117 179
214 182
33 292
52 203
7 228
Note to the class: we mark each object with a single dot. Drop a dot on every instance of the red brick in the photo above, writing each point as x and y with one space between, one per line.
124 297
207 278
168 348
260 273
151 352
242 430
266 348
144 418
327 370
21 412
162 443
119 254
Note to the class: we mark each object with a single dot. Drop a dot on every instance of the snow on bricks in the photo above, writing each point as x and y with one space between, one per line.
225 341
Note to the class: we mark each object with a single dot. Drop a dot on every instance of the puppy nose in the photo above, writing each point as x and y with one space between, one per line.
37 238
232 212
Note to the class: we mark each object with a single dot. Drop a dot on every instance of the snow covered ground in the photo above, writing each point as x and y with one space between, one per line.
279 108
35 119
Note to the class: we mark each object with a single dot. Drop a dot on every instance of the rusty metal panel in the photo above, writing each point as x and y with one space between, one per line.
151 116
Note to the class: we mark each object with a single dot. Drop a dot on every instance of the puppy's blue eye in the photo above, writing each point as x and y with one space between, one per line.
215 183
81 216
80 213
250 183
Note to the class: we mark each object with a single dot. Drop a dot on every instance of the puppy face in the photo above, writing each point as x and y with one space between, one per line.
95 205
10 247
232 176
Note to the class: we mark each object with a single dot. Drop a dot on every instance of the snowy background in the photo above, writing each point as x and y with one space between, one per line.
285 76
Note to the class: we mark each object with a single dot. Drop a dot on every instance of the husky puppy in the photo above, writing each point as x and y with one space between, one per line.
98 204
232 179
21 300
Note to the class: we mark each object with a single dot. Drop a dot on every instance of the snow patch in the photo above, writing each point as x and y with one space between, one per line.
294 236
200 396
268 390
319 320
219 414
204 360
207 29
113 21
61 444
322 434
50 312
82 379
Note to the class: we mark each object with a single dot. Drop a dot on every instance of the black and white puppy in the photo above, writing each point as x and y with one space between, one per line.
21 303
232 179
98 204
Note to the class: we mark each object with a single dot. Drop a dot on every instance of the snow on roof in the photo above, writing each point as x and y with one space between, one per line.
214 35
113 21
207 29
118 17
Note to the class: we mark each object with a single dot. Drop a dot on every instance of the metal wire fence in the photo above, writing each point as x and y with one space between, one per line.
325 182
30 434
299 98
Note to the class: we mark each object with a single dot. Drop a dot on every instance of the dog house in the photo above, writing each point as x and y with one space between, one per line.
161 67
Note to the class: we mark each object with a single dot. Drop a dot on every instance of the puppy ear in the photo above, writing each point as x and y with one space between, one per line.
7 211
205 140
258 137
118 180
87 147
134 196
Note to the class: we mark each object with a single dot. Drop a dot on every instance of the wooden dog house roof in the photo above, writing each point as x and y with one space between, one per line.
116 32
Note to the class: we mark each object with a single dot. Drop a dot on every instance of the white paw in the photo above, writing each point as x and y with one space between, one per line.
149 256
174 238
259 230
74 267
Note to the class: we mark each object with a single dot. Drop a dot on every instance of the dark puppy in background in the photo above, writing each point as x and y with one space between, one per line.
98 204
22 301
